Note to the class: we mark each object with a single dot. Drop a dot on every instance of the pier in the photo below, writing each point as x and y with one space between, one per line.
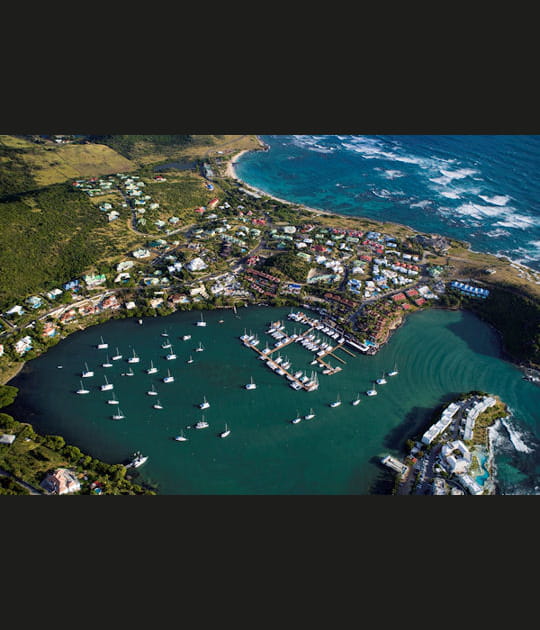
308 386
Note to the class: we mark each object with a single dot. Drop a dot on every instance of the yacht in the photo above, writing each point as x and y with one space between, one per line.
190 360
152 392
166 345
310 415
168 378
200 348
171 356
165 333
107 364
87 373
225 433
181 438
118 415
371 392
112 401
201 322
381 381
138 460
140 322
205 404
134 358
356 401
151 369
394 372
336 403
82 390
202 424
186 337
297 419
251 384
117 356
107 386
157 405
102 345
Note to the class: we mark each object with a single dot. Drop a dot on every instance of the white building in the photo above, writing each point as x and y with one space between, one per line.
197 264
61 481
440 426
124 265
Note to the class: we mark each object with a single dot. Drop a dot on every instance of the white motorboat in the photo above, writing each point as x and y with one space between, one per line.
186 337
138 460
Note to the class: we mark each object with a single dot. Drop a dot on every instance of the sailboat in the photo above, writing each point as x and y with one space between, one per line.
225 433
337 402
130 372
394 372
171 355
168 378
107 386
167 344
87 373
181 438
297 419
102 345
82 390
201 322
151 369
251 384
118 415
200 348
134 358
202 424
356 401
165 333
152 392
107 363
372 392
113 401
190 360
117 356
382 380
158 405
205 404
310 415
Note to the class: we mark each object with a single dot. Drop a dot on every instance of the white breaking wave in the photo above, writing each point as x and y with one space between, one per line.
516 437
535 244
459 174
421 204
497 233
518 221
450 195
478 211
393 174
312 143
497 200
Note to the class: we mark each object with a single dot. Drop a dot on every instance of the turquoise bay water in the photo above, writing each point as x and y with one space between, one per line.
483 189
438 354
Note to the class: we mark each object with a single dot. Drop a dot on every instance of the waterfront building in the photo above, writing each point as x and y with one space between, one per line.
61 481
440 426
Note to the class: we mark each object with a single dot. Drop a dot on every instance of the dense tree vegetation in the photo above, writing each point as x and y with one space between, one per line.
134 146
15 174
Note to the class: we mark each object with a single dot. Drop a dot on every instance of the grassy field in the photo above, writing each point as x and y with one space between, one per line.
51 165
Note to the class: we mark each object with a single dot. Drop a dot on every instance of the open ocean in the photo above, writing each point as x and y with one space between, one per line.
484 189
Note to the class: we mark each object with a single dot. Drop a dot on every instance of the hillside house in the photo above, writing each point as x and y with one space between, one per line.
61 481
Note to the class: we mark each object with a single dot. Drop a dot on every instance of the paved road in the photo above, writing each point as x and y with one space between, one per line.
22 483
